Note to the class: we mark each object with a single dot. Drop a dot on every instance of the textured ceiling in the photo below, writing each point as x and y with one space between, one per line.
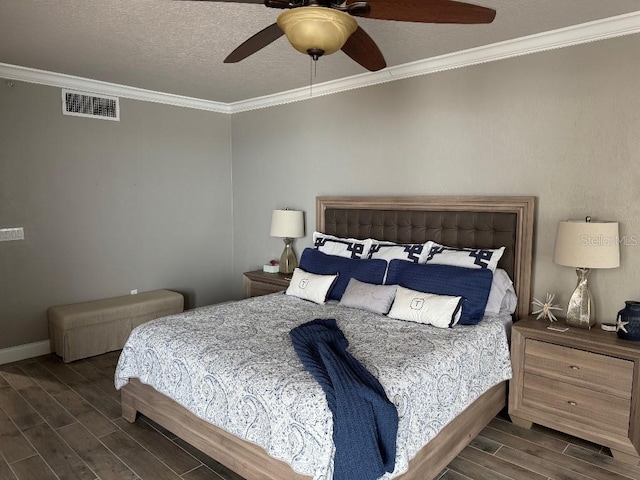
178 47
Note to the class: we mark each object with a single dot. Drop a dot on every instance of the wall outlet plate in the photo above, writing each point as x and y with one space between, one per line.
8 234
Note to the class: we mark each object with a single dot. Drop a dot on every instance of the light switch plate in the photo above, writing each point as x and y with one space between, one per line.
7 234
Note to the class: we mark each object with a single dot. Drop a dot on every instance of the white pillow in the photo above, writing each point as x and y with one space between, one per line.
410 252
442 311
310 286
509 302
502 296
463 257
342 247
367 296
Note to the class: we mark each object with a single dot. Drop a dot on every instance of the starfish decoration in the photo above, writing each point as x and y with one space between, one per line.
545 310
620 325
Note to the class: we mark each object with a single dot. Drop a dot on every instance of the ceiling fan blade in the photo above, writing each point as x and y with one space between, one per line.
269 3
250 46
427 11
362 49
228 1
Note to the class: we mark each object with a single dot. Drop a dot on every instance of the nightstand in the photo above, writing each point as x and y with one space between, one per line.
257 283
582 382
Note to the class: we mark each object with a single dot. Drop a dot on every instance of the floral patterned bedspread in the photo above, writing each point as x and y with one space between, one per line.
233 365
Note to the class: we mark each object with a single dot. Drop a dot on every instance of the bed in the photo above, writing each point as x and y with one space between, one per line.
480 222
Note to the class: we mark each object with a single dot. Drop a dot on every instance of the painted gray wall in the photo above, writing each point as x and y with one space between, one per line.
561 125
148 202
108 207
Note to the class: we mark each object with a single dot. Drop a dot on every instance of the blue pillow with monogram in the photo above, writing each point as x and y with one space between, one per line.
368 271
472 284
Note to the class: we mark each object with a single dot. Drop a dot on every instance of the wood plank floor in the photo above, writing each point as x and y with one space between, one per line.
62 421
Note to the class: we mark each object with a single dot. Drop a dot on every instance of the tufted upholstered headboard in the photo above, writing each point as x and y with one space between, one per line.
457 221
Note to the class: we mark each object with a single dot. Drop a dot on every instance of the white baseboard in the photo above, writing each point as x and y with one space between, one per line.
28 350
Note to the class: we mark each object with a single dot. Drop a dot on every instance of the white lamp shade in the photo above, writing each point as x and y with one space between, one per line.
287 224
583 244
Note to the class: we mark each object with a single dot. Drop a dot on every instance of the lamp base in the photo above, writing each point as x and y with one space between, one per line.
580 309
288 260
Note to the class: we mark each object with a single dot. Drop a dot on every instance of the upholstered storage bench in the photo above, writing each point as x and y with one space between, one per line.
86 329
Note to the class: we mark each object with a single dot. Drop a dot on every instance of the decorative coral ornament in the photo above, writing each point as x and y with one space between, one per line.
545 310
620 325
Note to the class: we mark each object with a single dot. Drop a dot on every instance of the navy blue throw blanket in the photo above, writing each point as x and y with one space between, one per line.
365 422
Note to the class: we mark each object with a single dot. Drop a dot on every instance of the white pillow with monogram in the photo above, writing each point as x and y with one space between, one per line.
442 311
310 286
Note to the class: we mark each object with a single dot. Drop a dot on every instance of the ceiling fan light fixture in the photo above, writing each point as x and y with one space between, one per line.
313 29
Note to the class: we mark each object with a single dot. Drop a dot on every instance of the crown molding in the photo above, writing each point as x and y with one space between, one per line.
612 27
52 79
603 29
321 89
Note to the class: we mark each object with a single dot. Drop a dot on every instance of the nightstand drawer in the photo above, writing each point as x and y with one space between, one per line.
583 406
259 288
584 369
581 382
258 283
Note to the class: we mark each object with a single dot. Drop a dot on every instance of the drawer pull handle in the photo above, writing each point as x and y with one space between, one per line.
574 367
572 403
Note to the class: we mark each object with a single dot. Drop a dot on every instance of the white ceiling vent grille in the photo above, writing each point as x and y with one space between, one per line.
82 104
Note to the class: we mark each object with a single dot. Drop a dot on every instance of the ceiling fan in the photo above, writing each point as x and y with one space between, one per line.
322 27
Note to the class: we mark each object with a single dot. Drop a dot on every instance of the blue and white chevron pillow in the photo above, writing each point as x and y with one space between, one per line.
411 252
463 257
342 247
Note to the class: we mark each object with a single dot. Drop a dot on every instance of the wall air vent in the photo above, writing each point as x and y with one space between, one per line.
82 104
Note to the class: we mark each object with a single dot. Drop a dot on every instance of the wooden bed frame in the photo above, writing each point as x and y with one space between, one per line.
388 218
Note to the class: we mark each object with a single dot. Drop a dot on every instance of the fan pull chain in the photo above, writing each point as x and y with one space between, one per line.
310 77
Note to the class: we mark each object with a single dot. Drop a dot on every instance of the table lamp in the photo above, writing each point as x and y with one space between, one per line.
585 245
287 224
